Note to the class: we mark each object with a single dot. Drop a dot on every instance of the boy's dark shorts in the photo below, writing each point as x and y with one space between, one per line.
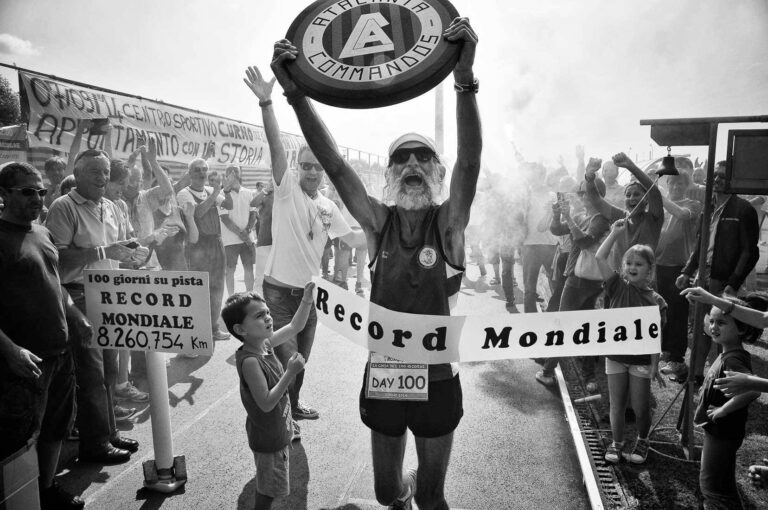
246 252
439 416
45 405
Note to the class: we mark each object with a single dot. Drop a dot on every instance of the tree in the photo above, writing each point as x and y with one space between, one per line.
10 110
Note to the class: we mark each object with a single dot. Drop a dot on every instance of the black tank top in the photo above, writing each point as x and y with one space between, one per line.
415 276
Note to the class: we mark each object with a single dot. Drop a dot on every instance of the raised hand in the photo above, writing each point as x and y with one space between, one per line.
258 85
622 160
461 30
284 52
308 290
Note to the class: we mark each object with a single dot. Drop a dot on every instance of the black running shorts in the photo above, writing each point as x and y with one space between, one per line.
438 416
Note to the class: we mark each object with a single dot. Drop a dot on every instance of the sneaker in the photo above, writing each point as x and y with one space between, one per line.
495 281
511 308
303 412
123 414
130 392
296 432
56 498
220 335
639 452
613 452
481 285
406 502
359 290
676 370
546 380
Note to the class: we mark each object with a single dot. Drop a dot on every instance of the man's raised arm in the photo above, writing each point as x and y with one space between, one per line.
470 138
369 212
262 89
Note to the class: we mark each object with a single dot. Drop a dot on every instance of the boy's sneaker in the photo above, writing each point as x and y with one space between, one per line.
296 432
130 392
676 370
495 281
639 452
481 285
613 452
123 414
56 498
511 308
406 502
546 380
303 412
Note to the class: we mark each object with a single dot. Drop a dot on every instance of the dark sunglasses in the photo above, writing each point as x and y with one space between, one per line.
401 156
309 166
30 192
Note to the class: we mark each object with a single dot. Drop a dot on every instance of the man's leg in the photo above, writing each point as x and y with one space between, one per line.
530 278
388 453
304 341
248 258
508 280
434 453
230 252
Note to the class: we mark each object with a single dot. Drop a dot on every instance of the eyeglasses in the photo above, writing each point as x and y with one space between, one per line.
401 156
29 192
309 166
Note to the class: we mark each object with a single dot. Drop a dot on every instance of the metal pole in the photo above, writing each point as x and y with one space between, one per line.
439 131
687 439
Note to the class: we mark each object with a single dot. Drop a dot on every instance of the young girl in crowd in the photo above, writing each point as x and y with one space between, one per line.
722 411
629 375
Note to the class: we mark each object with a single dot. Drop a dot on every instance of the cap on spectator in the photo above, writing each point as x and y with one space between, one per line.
412 137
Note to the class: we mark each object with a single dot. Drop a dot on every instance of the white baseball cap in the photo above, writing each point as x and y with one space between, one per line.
412 137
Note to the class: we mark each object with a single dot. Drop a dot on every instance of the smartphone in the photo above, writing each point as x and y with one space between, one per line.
99 126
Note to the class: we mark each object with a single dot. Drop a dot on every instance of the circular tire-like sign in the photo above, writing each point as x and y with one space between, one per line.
371 53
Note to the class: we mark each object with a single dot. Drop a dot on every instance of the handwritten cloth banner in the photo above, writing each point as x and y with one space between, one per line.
165 311
181 135
435 339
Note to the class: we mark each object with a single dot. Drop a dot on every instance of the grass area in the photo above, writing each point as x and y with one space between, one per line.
668 480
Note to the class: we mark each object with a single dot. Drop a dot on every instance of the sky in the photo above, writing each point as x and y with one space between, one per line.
553 74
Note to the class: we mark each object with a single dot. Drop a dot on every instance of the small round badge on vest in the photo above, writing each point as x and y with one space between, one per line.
427 257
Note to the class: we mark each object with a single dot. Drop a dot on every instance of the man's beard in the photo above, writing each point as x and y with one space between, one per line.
398 193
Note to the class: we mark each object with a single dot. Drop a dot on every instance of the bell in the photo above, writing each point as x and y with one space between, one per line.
667 165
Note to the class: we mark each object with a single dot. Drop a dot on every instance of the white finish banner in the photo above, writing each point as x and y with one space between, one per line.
436 339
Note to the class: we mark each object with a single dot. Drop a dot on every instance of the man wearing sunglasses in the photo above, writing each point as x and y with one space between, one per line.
37 386
302 222
417 251
85 227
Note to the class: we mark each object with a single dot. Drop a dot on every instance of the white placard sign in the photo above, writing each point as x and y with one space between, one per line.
166 311
436 339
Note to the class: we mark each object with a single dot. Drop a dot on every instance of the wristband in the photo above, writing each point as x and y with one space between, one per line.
101 253
266 103
463 88
293 96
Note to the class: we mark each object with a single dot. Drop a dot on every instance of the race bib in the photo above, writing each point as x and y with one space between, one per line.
390 379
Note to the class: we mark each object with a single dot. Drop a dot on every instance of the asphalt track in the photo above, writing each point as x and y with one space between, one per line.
512 449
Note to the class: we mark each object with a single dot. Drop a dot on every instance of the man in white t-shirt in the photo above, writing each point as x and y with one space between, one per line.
207 254
237 228
302 221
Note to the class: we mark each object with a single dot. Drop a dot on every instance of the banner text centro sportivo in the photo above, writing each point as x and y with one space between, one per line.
166 311
435 339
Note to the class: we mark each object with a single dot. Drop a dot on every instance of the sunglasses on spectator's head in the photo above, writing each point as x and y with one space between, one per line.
401 156
91 153
309 166
29 192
